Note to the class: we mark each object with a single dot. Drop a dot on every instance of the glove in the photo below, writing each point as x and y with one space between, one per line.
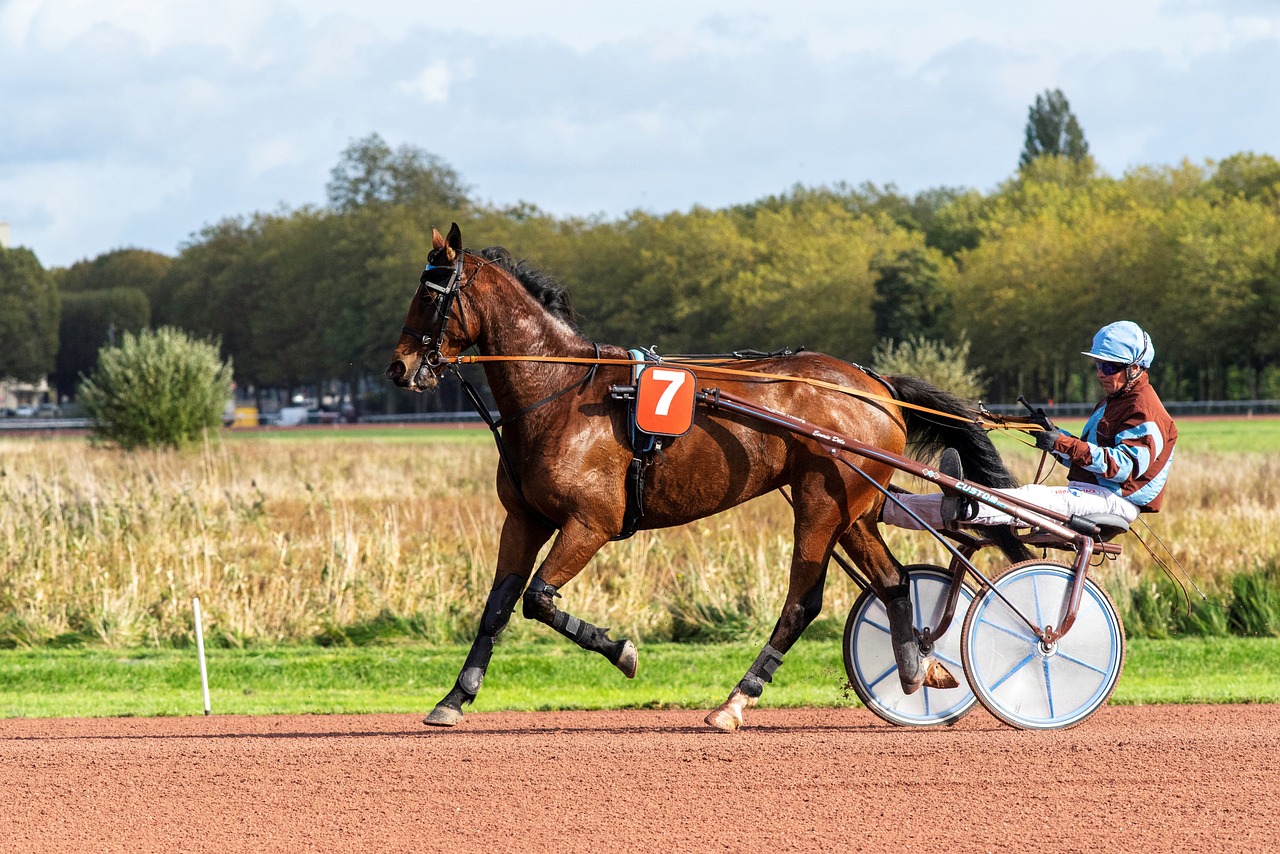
1047 439
1038 417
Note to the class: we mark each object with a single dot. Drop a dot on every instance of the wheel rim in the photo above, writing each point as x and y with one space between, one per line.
872 670
1021 680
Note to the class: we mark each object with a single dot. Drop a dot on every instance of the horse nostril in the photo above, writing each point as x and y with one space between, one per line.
396 371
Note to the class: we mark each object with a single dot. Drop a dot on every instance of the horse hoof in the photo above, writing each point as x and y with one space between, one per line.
443 716
629 660
728 718
938 676
725 720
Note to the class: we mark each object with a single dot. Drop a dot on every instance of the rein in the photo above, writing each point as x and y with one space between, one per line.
981 419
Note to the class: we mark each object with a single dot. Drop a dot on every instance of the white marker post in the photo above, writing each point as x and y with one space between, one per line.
204 674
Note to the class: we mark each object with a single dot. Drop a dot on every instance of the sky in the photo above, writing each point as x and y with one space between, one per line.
135 123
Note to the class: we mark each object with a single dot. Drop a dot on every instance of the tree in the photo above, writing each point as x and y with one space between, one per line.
1053 129
29 310
1249 175
909 301
371 173
122 268
90 321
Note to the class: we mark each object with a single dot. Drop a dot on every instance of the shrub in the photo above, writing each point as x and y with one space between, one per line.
944 365
158 388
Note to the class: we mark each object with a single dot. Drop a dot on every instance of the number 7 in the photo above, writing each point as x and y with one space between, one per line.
673 379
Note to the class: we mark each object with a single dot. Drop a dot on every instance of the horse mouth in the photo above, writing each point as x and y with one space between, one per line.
422 379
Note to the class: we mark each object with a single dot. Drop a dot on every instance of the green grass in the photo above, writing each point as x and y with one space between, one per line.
1214 435
409 679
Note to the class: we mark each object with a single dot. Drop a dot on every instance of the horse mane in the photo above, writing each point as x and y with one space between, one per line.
541 286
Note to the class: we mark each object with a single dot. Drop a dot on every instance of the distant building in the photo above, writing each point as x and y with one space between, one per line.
4 235
22 398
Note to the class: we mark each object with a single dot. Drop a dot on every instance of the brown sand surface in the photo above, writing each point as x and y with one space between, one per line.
1158 778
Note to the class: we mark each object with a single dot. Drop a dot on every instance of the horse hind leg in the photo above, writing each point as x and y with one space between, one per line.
539 604
915 669
497 611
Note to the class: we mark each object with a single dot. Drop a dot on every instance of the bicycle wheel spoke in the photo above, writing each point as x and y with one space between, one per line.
1021 664
890 670
1029 638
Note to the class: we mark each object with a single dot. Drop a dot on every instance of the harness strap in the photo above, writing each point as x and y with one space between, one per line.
495 427
978 418
581 385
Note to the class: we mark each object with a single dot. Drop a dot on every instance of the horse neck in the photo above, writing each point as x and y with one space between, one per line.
513 323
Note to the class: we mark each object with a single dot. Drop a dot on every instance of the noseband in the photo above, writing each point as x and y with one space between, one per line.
446 282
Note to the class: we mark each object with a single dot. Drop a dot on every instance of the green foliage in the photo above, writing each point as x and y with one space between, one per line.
910 301
157 389
122 268
1053 129
1255 603
371 173
1154 606
944 365
1248 175
29 311
90 321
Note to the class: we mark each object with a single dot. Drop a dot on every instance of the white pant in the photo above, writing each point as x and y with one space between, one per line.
1074 499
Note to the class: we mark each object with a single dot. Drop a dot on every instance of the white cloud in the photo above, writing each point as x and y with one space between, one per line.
77 210
432 85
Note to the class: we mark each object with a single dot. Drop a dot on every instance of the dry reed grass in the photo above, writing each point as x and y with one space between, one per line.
301 540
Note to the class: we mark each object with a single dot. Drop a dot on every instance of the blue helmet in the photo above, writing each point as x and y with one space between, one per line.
1123 342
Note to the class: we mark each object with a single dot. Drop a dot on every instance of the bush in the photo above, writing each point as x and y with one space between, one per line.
944 365
158 388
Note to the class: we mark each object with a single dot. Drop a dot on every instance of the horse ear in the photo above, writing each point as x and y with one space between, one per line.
437 242
455 240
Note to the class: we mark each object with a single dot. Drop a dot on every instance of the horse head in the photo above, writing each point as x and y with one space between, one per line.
435 330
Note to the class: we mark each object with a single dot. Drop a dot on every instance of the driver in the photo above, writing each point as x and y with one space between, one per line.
1118 465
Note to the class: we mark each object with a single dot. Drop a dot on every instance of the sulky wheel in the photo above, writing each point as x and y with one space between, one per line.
868 653
1020 680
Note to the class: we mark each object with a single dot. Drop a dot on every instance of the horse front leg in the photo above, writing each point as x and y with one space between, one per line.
573 547
865 545
517 550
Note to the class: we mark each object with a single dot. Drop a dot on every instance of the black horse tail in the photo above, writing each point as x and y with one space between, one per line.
928 435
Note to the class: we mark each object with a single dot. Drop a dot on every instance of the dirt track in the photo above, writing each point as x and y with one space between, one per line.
1194 779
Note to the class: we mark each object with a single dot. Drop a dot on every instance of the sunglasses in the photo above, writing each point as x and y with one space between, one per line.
1109 368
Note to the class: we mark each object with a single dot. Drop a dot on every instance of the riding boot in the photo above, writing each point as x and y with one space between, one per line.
954 508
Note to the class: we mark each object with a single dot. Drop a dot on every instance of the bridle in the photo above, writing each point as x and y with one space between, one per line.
446 281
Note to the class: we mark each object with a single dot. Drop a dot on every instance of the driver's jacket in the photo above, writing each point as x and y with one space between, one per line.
1126 446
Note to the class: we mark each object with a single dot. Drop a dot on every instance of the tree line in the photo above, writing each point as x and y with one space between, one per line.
1018 277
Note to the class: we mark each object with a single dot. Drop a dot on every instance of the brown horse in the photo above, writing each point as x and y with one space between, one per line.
567 442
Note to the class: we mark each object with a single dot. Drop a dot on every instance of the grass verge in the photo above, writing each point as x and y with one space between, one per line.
532 676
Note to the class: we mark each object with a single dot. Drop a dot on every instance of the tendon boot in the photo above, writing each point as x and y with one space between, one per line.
955 508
